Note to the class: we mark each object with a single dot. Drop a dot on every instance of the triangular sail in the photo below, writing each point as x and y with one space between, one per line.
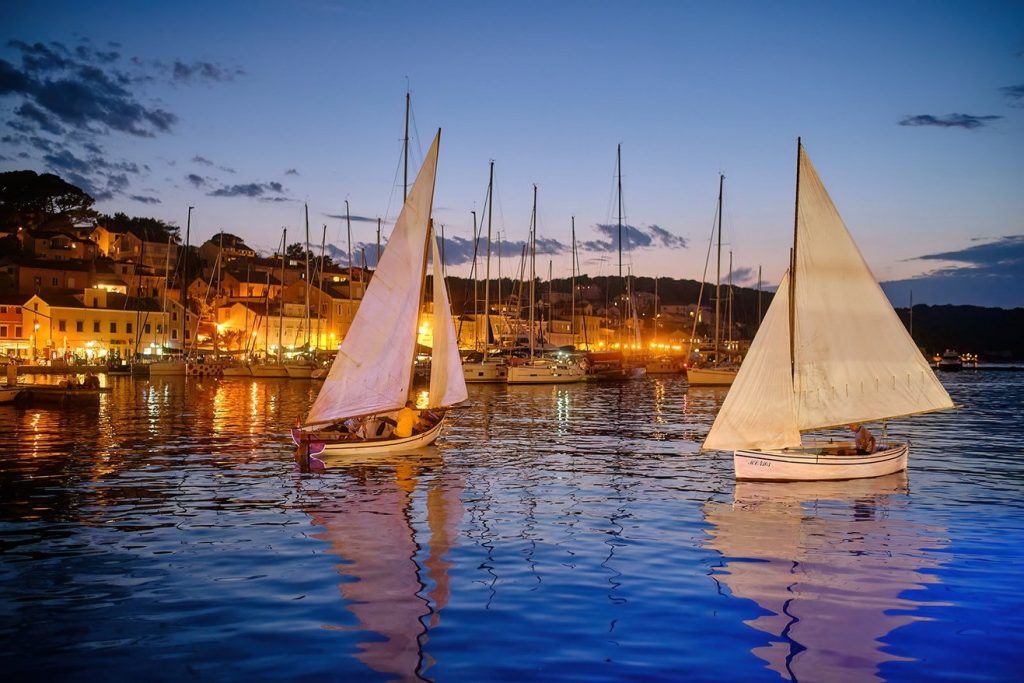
372 372
447 382
854 360
759 411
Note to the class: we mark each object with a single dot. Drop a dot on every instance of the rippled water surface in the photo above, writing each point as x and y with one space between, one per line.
554 533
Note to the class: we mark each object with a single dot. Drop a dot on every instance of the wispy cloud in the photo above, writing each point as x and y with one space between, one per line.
354 218
63 99
633 238
291 171
196 180
988 273
248 190
1014 93
967 121
145 200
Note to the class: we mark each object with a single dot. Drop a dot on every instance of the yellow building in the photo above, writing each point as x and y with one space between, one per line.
92 325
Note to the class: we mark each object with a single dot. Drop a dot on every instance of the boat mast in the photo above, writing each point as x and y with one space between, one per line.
718 272
185 283
618 163
427 241
792 267
476 295
572 296
405 152
533 270
729 344
348 223
487 266
308 331
320 289
280 298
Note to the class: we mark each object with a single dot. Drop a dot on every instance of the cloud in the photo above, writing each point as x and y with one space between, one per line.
248 190
1014 93
353 218
633 238
740 276
201 160
985 274
203 71
196 180
967 121
291 171
62 98
145 200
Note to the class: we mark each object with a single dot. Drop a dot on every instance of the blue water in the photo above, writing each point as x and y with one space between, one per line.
569 533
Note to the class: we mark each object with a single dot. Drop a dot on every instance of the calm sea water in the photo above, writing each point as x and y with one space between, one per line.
555 533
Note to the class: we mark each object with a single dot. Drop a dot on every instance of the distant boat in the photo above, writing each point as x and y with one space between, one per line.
9 394
540 369
717 373
830 352
372 374
950 361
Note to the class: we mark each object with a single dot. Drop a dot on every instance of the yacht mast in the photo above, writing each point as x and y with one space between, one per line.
533 269
718 273
487 267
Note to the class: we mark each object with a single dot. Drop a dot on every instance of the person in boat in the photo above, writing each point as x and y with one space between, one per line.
91 381
864 441
408 420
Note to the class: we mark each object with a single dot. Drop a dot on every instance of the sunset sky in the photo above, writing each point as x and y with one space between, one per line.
913 113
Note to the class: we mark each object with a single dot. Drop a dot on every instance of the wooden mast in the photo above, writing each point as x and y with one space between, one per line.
718 272
792 267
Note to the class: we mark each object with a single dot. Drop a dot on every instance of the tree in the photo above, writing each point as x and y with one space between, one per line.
297 252
148 229
31 200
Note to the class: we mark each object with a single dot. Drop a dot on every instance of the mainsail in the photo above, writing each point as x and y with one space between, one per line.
844 357
372 372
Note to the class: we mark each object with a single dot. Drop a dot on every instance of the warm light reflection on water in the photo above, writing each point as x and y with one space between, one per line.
572 532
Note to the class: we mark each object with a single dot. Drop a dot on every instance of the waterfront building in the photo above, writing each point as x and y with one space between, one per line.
13 339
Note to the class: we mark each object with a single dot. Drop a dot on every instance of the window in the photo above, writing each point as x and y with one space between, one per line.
62 326
113 328
55 281
187 335
128 328
17 309
159 328
79 326
95 325
174 316
3 309
71 283
95 302
145 328
3 330
174 334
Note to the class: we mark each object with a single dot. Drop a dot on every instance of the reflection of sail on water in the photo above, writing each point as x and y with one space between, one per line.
389 586
830 564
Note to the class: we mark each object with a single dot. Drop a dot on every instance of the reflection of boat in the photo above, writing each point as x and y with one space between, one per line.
395 574
950 361
831 351
831 564
372 374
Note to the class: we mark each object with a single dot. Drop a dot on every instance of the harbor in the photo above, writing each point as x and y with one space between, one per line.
553 532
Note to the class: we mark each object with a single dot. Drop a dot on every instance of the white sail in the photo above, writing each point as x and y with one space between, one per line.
851 359
372 372
855 361
760 411
447 382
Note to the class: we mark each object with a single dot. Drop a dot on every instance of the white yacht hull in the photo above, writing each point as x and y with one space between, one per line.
391 444
299 371
9 394
818 464
484 372
268 371
167 369
237 371
711 377
545 374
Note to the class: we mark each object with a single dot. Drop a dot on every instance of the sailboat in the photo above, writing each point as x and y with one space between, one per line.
372 373
483 366
716 374
831 351
540 369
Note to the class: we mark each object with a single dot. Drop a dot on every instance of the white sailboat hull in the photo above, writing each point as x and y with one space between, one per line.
299 371
484 372
354 447
555 373
268 370
711 377
172 368
818 464
237 371
9 394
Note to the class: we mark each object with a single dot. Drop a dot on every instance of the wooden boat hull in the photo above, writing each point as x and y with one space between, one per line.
711 377
328 447
818 464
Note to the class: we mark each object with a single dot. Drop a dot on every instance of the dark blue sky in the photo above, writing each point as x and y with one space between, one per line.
911 111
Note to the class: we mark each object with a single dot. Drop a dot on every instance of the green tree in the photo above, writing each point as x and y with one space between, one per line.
32 200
